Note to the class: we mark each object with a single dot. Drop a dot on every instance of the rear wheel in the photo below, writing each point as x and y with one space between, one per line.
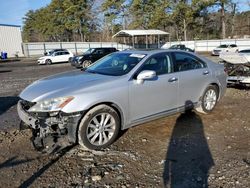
99 127
208 100
48 62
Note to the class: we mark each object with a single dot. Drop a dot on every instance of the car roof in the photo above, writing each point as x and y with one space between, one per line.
151 52
104 48
58 49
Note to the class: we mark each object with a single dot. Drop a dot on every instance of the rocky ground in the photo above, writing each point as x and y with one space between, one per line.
185 150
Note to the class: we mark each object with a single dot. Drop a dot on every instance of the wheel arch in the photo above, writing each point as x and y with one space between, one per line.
217 87
112 105
211 84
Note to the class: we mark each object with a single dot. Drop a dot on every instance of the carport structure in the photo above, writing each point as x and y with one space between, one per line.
134 34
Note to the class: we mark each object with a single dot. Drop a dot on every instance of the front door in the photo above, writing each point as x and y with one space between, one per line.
157 95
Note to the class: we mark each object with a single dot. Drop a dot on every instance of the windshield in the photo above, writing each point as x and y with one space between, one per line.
116 64
89 51
223 46
50 53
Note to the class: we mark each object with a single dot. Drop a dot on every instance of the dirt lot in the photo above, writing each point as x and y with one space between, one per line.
186 150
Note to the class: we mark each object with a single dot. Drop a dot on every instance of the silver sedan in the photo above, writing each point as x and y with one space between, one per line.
119 91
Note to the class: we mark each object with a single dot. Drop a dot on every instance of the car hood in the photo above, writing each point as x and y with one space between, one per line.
44 57
63 84
217 49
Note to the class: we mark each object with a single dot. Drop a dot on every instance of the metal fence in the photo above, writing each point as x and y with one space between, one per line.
39 48
209 45
36 49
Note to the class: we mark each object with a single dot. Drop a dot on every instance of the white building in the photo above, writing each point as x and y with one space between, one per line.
11 40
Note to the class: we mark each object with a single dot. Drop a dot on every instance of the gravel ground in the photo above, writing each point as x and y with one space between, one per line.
185 150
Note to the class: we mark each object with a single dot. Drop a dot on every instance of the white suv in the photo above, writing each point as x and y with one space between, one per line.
225 48
55 57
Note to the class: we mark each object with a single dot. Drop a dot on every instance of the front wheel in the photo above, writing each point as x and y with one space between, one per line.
99 127
208 100
86 63
48 62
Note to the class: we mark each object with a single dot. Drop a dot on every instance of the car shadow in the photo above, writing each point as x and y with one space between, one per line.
37 174
13 162
5 71
188 158
7 102
239 87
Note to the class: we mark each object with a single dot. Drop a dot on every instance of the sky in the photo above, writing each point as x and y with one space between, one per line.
13 11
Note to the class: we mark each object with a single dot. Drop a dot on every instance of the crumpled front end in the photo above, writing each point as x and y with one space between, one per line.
51 131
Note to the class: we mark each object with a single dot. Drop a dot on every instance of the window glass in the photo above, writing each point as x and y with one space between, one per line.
161 64
99 51
184 62
107 50
116 64
233 45
223 46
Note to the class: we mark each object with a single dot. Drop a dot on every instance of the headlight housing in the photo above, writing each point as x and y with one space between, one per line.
51 105
79 59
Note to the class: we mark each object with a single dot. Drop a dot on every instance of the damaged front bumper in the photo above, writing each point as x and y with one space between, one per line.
50 131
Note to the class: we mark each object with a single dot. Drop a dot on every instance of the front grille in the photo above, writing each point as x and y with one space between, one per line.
27 104
217 51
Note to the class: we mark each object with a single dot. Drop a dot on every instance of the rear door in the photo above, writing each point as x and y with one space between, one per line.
65 56
194 77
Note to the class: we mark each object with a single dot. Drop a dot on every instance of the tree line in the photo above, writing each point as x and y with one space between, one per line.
98 20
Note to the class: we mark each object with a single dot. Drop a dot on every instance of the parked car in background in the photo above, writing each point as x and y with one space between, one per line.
90 56
121 90
55 50
55 57
225 48
181 47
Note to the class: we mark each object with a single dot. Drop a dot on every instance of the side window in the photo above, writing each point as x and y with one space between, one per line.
65 53
98 51
233 45
161 64
184 62
107 50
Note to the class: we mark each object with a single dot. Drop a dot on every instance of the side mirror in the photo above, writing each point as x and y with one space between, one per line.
145 75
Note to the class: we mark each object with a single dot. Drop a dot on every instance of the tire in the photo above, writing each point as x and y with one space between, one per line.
48 62
208 100
86 63
91 135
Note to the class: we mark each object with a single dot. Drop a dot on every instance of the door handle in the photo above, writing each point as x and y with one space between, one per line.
206 72
174 79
